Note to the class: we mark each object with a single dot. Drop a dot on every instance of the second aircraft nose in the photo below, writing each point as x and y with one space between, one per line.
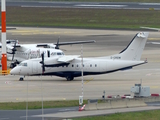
15 71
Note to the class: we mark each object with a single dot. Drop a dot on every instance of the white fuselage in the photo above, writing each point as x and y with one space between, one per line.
90 67
30 51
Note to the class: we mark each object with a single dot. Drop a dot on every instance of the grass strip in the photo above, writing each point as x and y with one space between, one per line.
145 115
82 18
38 104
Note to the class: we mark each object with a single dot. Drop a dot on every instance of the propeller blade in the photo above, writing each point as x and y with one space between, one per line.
12 57
42 62
13 52
57 45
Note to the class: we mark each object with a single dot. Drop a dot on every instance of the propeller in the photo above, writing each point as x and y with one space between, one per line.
57 45
42 62
13 52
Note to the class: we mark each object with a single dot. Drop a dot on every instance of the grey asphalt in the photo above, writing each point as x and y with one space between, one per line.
56 88
99 5
31 114
64 113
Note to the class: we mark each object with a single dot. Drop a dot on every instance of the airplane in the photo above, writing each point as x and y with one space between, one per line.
69 66
19 52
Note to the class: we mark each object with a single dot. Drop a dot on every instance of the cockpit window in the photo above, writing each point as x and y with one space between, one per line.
23 64
60 53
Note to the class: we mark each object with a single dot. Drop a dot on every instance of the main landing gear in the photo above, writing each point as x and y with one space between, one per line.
69 78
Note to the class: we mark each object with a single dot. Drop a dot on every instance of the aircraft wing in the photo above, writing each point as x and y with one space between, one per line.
43 45
76 42
67 58
46 45
17 46
61 61
157 29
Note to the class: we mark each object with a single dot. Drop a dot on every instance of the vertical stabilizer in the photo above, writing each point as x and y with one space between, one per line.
135 48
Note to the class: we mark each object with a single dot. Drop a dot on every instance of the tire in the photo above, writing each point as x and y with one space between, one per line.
20 79
69 78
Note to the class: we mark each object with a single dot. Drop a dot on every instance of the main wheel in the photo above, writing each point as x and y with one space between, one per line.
69 78
21 79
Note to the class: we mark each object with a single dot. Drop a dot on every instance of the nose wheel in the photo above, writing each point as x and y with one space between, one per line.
21 78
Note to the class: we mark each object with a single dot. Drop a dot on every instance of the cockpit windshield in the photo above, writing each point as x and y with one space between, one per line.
23 64
60 53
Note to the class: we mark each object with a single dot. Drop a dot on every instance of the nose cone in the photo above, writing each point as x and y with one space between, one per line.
15 71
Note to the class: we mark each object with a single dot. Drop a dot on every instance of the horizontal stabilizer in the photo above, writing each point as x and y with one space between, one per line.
149 28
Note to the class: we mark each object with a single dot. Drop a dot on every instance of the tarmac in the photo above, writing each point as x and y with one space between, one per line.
55 88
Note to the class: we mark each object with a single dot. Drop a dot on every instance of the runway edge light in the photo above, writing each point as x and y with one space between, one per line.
3 36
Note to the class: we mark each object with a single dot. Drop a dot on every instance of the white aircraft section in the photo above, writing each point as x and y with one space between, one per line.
19 52
68 58
70 66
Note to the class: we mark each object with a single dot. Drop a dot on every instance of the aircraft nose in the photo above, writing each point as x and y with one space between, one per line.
14 71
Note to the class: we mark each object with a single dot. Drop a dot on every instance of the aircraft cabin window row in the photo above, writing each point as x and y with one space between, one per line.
83 65
35 54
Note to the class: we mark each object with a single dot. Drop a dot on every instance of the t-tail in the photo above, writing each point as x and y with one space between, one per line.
135 48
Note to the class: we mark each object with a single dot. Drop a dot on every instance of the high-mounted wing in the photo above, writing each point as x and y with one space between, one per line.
56 45
76 42
45 45
59 61
68 58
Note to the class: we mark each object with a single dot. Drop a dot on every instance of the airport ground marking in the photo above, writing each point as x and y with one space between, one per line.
155 87
153 38
87 81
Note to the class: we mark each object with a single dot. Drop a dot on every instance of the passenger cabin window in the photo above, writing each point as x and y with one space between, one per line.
72 65
95 65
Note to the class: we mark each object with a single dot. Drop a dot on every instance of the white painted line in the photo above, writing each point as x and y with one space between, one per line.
101 5
4 118
149 3
37 6
67 110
